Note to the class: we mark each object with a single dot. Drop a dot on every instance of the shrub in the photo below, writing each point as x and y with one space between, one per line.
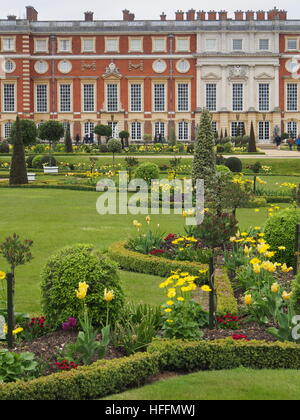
296 293
224 169
226 302
103 148
234 164
280 231
38 162
60 278
148 264
147 172
14 367
89 382
4 147
29 160
225 354
114 146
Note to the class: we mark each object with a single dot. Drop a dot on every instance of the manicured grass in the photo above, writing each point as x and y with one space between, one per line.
239 384
279 166
56 218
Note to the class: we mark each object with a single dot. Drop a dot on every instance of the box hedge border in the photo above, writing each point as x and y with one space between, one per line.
187 356
162 267
107 377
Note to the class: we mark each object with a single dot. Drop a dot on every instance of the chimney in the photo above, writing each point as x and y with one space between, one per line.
212 15
89 16
131 17
261 15
282 15
273 14
223 15
250 15
239 15
126 14
179 15
11 17
201 15
163 17
191 14
31 14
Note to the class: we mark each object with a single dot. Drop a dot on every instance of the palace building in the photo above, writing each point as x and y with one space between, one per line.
152 77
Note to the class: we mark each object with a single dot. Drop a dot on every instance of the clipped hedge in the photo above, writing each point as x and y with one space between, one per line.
149 264
101 378
226 302
225 354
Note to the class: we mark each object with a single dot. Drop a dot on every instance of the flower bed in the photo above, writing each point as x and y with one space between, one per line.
149 264
108 377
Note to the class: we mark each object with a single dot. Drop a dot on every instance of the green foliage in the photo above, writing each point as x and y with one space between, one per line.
85 383
18 171
216 229
252 142
124 135
204 164
103 131
286 323
52 131
15 251
234 164
296 293
68 141
4 147
187 356
60 278
15 367
146 243
39 162
148 264
114 146
136 328
280 230
226 302
87 347
147 172
29 132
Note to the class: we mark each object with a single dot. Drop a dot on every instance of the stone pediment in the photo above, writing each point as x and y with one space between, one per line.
112 72
211 76
264 76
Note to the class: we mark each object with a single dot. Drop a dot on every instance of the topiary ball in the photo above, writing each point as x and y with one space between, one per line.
4 147
281 231
147 172
234 164
39 161
60 278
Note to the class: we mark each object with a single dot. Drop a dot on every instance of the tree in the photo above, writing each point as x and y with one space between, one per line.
252 142
18 171
29 132
114 146
172 137
204 165
124 135
68 141
103 131
52 131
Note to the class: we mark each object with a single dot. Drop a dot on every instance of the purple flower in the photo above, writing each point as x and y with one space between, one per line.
68 325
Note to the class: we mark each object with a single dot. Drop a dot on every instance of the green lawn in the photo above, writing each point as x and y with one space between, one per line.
56 218
239 384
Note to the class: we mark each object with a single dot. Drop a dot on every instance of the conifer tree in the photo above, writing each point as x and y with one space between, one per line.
68 141
252 142
204 165
18 171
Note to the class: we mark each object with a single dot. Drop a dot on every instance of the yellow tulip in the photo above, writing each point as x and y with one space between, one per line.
108 295
286 296
2 275
248 299
275 288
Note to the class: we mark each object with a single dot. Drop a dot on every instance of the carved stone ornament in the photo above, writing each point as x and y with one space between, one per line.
132 66
112 70
88 66
237 72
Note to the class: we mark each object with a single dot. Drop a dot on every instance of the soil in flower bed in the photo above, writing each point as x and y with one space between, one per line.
48 348
251 331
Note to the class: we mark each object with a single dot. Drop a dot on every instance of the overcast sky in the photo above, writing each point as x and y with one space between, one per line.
110 10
